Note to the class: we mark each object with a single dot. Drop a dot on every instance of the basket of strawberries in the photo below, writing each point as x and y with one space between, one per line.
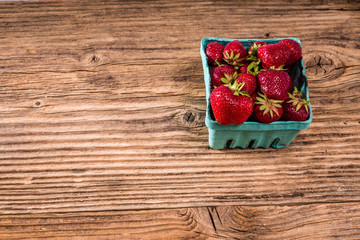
256 92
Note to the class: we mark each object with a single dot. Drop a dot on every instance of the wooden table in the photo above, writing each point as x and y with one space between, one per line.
102 134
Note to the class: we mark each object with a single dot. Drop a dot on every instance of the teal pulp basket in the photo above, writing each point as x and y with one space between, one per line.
253 134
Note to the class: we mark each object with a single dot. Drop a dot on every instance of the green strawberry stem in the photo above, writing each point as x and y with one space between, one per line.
219 64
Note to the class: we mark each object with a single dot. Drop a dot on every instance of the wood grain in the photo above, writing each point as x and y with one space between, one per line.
102 108
315 221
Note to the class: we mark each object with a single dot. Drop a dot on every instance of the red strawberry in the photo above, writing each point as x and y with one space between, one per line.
274 55
229 105
250 82
214 52
243 69
255 46
275 84
295 51
222 74
296 108
267 110
234 53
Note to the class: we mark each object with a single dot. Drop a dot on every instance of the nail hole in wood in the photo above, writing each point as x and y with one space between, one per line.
94 59
37 103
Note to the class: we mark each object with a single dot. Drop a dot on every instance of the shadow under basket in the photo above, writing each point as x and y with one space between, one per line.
250 134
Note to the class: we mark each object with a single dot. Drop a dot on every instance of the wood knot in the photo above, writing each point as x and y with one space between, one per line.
93 57
192 118
189 117
323 64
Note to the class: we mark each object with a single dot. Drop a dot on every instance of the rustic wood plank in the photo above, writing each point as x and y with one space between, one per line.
102 108
95 109
314 221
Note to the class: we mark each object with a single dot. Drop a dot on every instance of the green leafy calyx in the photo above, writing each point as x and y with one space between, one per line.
233 59
253 68
297 101
280 68
254 49
229 79
236 88
268 105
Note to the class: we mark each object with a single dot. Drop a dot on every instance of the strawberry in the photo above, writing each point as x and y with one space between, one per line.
230 105
214 52
222 74
255 46
295 51
275 84
296 108
267 110
250 82
243 69
234 53
273 55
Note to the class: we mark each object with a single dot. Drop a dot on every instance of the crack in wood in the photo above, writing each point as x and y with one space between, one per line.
217 213
212 219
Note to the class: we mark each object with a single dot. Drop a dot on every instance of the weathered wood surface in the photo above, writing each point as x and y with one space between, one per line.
315 221
102 109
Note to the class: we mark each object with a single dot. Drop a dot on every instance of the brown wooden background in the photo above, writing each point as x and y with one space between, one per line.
102 134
